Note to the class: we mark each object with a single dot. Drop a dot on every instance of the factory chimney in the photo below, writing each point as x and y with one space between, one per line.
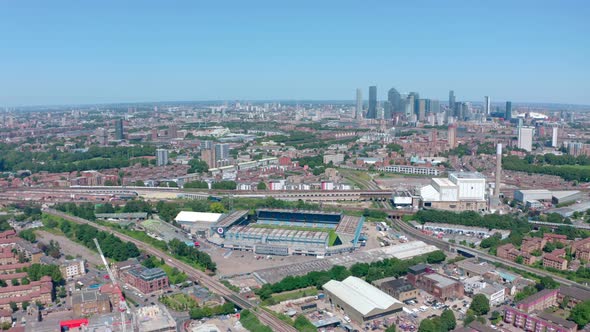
498 170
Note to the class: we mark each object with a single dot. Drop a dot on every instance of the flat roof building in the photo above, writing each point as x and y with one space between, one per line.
360 300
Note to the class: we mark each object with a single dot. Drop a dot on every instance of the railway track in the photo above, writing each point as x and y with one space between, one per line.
485 256
266 318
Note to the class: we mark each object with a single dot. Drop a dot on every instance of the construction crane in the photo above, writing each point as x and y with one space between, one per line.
123 308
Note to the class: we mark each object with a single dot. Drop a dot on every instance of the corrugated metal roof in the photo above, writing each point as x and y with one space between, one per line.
360 295
189 216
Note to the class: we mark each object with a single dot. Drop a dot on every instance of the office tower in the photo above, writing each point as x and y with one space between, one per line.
372 111
459 110
487 106
102 136
554 137
452 101
452 136
221 154
206 145
432 106
161 157
410 105
508 113
498 170
359 104
421 111
525 138
575 148
387 110
119 133
208 156
395 99
416 101
173 131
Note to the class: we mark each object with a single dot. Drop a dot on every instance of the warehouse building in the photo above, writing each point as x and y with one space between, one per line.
533 195
360 300
461 191
566 196
198 223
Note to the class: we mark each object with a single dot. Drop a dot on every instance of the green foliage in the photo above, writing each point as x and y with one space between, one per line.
303 324
435 257
137 205
547 283
312 161
390 328
224 185
526 292
251 322
375 214
13 306
428 325
196 185
217 207
198 166
54 161
179 302
261 186
580 314
192 254
491 241
104 208
460 151
470 218
202 312
567 167
84 210
480 304
28 235
448 320
36 271
393 147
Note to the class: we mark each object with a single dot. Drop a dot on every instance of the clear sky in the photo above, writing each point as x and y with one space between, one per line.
55 52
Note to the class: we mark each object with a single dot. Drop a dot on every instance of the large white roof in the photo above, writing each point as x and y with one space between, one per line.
429 194
360 295
189 216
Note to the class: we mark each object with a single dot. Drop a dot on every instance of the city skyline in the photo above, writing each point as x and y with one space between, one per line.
136 52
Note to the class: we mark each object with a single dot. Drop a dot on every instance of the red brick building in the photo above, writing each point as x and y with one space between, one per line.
146 280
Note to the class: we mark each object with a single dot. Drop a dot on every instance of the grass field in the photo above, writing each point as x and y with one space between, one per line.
179 302
280 297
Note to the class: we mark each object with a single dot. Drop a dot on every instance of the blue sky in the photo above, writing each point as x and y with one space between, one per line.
56 52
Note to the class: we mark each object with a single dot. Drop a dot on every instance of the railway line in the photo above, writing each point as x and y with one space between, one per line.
482 255
266 318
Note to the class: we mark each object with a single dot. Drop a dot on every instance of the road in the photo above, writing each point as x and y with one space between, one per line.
446 246
215 286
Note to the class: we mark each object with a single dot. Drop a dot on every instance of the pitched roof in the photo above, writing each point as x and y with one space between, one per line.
360 295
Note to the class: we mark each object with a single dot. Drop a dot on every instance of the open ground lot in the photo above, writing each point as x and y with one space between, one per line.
70 247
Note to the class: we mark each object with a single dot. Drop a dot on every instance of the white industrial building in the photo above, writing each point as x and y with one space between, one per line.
360 300
197 222
460 191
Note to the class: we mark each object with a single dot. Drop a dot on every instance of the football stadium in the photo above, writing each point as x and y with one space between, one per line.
288 232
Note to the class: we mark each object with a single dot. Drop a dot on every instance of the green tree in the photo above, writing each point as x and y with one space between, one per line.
427 325
25 305
261 186
15 282
390 328
547 283
13 306
519 260
480 304
217 208
580 314
436 257
198 166
448 320
28 235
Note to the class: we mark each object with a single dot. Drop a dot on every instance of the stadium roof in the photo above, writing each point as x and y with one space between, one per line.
300 211
189 216
360 295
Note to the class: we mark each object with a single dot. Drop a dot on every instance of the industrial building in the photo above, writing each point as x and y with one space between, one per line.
544 195
198 223
289 232
360 300
461 191
439 286
399 288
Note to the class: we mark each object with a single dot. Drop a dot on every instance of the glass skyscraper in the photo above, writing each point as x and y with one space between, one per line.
372 111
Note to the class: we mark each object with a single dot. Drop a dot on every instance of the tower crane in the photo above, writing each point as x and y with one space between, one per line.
123 308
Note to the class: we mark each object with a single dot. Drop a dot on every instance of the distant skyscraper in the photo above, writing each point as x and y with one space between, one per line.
452 101
221 153
554 137
452 136
498 170
508 114
119 133
487 106
208 156
359 104
173 131
387 110
372 111
410 105
525 138
432 106
421 111
395 99
161 157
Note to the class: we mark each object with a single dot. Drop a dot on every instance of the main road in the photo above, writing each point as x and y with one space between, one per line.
214 285
485 256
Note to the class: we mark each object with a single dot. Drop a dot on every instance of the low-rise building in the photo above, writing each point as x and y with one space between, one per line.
29 250
146 280
73 268
539 301
155 318
495 293
360 300
537 321
35 291
554 261
400 289
87 303
574 295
